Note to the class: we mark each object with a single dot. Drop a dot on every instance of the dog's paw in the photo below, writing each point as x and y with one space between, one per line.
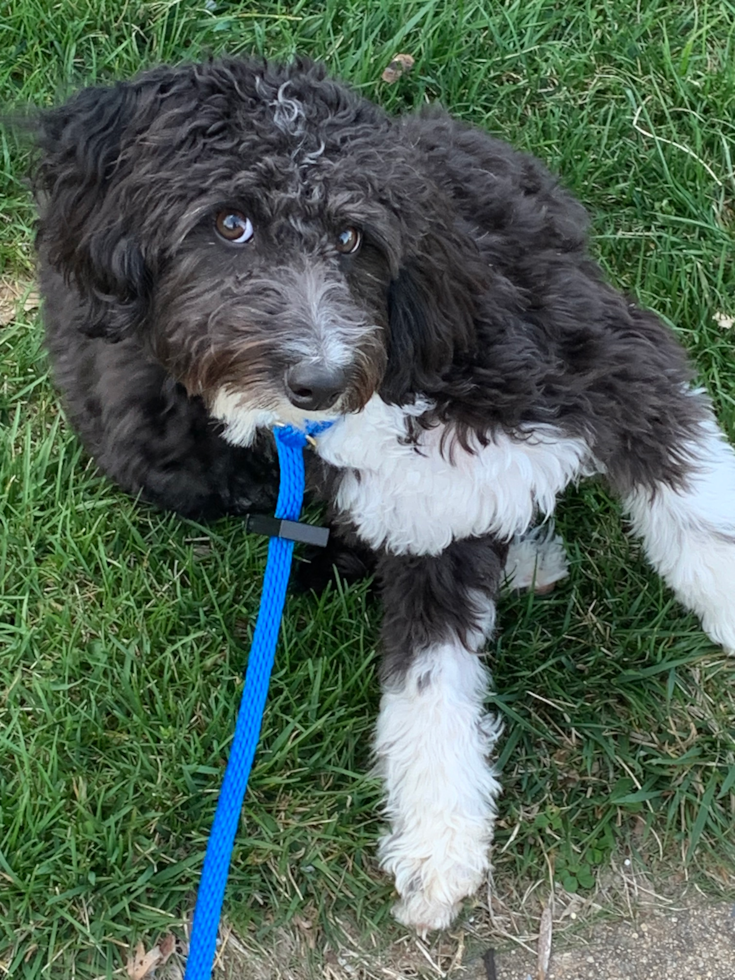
423 916
720 627
536 559
434 896
435 872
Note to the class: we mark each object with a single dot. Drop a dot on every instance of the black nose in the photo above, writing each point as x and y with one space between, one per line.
313 386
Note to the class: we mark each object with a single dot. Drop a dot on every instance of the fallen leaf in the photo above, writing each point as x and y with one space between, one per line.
307 928
544 943
140 964
401 64
724 321
166 946
10 296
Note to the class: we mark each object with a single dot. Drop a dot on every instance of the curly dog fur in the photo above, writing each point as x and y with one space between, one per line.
230 245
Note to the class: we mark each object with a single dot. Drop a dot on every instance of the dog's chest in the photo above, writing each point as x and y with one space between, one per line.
417 498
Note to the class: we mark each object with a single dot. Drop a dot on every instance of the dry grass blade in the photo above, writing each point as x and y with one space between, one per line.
544 942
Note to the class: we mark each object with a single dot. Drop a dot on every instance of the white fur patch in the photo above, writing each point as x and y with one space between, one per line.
288 114
536 559
242 421
417 499
689 535
432 744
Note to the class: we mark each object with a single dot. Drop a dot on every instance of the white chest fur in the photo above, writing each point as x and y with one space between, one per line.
415 499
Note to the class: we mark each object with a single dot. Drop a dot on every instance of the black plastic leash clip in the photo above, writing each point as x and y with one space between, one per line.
277 527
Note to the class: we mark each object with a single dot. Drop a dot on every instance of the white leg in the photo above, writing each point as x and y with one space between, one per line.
689 534
433 741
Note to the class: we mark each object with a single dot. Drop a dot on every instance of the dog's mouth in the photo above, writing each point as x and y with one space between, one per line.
261 381
243 412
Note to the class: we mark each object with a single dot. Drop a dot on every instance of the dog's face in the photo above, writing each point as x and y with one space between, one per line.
256 226
274 304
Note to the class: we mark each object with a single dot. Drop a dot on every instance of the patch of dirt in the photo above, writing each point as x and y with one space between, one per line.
690 944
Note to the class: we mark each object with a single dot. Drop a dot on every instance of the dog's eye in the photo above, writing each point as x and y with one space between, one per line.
234 227
349 240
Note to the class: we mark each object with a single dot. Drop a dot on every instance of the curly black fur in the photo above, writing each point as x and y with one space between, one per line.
474 264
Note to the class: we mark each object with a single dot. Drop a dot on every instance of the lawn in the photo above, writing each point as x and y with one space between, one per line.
124 632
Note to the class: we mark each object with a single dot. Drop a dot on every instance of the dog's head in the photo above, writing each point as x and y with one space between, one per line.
273 238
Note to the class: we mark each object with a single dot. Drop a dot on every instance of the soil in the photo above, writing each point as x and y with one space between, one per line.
690 944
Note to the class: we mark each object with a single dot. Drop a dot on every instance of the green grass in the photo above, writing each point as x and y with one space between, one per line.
123 632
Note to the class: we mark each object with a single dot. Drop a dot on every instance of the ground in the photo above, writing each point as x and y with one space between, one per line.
685 938
692 943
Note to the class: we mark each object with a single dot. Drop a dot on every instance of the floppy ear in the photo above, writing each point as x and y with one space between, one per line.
78 234
432 306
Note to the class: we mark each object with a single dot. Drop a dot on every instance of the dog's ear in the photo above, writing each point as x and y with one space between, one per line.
432 306
78 234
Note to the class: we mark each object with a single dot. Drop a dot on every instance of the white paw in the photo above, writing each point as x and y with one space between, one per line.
433 896
536 559
720 627
441 860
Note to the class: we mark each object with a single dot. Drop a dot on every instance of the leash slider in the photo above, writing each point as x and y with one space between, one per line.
277 527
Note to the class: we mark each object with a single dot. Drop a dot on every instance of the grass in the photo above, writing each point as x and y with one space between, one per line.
123 632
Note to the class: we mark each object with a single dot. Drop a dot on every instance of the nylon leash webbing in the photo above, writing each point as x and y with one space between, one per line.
290 444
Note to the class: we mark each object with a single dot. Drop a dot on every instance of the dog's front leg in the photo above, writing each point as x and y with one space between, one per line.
433 736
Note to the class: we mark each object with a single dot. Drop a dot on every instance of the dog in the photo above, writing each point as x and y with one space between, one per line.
228 246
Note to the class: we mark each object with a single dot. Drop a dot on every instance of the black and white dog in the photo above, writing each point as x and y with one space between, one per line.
231 245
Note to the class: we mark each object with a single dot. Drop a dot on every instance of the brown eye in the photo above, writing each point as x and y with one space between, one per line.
234 227
349 240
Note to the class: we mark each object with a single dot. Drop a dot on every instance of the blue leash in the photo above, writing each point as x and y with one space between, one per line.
290 444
